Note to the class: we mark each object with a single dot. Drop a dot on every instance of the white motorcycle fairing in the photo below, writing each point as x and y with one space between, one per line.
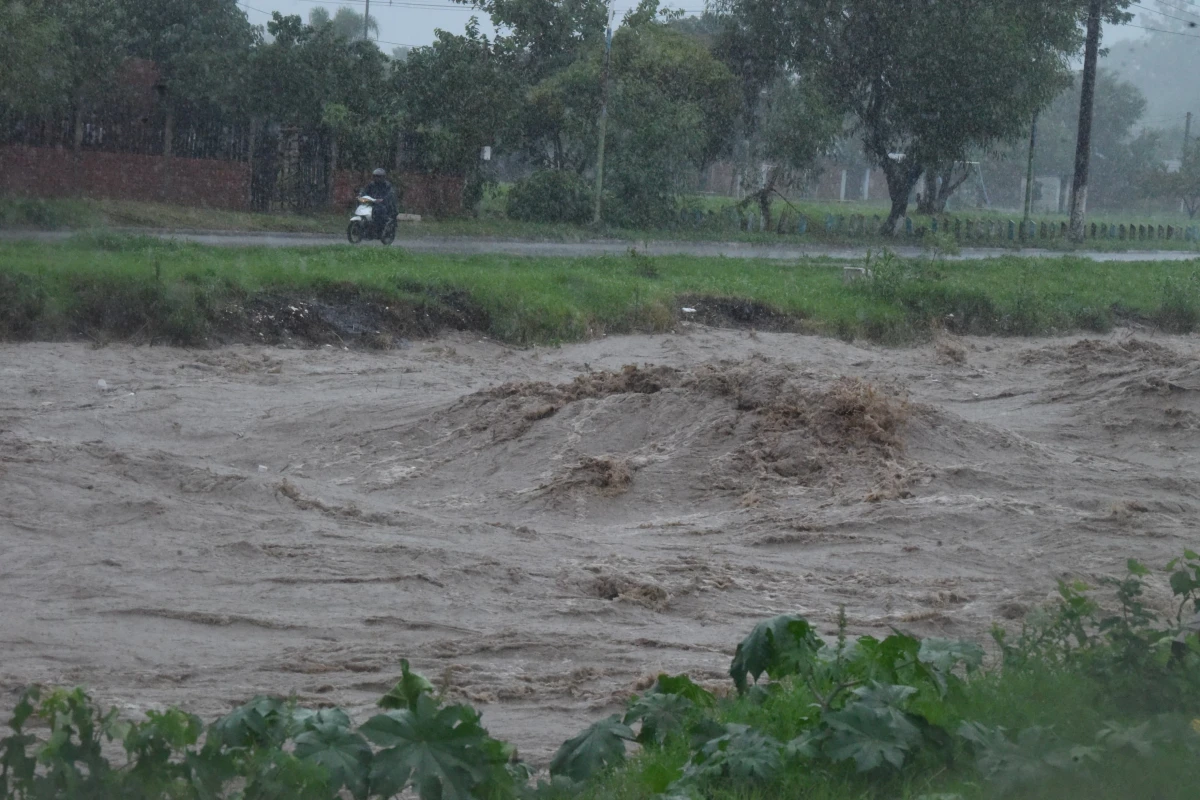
363 212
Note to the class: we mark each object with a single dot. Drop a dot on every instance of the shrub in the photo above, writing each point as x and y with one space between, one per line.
22 302
550 196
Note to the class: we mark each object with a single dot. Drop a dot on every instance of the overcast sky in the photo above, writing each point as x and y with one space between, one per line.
412 22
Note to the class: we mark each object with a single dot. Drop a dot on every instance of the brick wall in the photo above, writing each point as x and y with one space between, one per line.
420 193
49 172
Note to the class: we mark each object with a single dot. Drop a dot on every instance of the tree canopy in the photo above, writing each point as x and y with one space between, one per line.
922 82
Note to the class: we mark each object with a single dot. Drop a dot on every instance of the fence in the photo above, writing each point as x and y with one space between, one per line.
969 229
134 149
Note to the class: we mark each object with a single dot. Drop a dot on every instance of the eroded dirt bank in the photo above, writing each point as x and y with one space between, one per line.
542 529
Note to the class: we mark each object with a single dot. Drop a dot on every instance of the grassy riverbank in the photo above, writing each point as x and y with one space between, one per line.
120 287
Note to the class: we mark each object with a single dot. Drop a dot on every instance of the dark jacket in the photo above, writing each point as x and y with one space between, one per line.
381 189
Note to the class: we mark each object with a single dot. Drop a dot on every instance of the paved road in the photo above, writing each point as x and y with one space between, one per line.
466 245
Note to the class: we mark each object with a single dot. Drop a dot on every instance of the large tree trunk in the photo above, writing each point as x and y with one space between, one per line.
763 197
901 178
169 133
927 199
331 175
937 194
78 125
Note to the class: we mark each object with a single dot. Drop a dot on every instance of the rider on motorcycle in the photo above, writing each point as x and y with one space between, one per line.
386 205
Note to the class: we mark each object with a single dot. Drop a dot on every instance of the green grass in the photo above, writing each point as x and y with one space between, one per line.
126 284
71 214
491 222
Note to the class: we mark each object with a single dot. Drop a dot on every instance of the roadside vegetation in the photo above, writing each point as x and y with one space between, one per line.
702 218
1096 696
109 287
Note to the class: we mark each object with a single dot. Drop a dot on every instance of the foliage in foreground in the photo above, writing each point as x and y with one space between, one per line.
867 715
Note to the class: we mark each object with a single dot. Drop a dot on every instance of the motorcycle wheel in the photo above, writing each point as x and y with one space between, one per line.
389 234
354 231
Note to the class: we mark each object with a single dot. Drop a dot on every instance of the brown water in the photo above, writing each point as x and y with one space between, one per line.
541 536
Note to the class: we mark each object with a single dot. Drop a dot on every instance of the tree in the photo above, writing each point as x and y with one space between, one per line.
924 82
1154 62
27 80
671 107
786 122
201 49
548 35
346 22
92 45
1123 154
1183 183
459 95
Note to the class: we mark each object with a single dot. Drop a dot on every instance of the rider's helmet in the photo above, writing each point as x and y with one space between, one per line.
379 173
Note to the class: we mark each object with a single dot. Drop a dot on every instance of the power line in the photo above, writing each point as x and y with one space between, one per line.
400 5
1162 30
1180 8
1191 23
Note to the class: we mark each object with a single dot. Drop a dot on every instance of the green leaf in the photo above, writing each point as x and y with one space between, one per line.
262 722
1138 738
444 752
345 754
1191 555
878 695
778 647
1182 583
1136 567
945 654
806 746
661 716
870 735
307 719
1005 763
273 773
683 686
602 745
406 691
740 754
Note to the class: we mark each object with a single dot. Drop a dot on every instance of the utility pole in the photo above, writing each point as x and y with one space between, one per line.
367 21
1083 145
1029 173
603 125
1187 133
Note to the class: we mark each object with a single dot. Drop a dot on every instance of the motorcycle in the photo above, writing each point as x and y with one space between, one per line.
362 225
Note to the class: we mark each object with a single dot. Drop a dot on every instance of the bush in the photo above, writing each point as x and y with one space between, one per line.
1179 306
550 196
22 303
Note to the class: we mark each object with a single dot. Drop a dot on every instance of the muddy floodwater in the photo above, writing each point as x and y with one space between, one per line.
542 530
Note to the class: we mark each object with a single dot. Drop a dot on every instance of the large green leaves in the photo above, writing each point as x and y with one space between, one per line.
263 722
665 709
602 745
406 691
946 654
660 715
345 754
872 733
741 754
444 752
684 686
778 647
